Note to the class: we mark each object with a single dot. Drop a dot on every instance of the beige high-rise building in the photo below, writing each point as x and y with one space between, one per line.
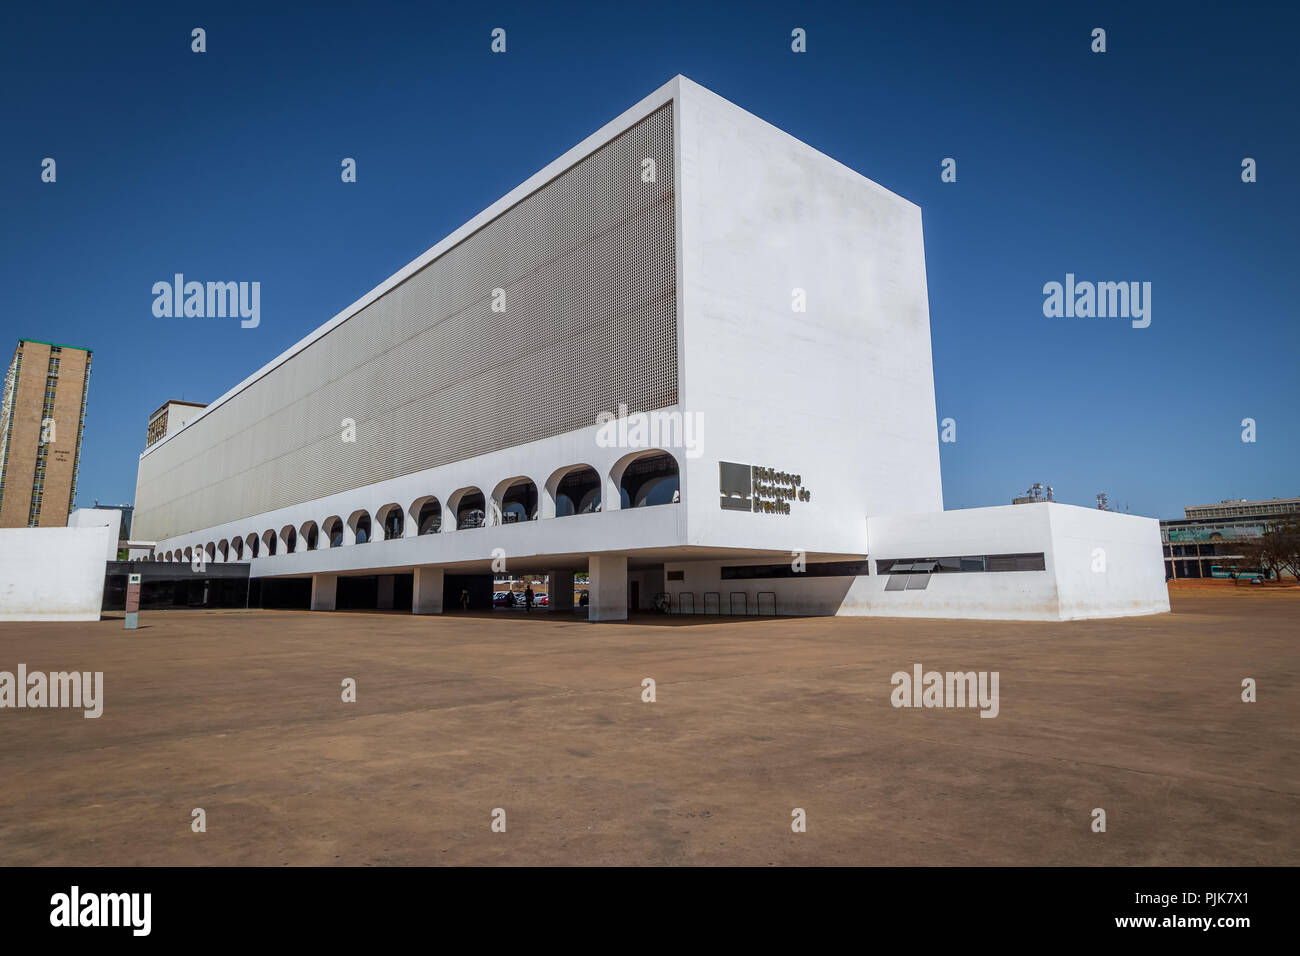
42 418
171 417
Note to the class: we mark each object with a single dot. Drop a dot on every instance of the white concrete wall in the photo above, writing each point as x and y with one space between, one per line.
53 574
1107 564
1069 588
1097 564
110 518
842 394
797 596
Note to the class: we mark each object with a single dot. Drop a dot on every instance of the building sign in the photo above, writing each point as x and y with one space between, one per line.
132 601
759 489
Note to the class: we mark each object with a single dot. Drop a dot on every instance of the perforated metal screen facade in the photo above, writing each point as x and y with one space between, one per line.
431 374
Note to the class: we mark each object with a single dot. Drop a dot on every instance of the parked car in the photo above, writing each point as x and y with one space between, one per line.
503 599
539 600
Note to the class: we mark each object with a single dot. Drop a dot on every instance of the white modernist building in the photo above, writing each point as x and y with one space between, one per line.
691 356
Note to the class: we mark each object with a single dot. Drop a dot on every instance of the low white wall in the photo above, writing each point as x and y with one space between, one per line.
99 518
1107 564
1098 564
53 574
990 595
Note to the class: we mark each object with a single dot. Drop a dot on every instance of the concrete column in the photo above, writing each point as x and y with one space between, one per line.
608 588
385 601
561 593
324 590
610 499
427 593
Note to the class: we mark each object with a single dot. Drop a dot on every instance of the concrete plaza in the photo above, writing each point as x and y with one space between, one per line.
239 713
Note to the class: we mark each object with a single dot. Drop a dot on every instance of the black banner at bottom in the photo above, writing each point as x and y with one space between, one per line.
333 906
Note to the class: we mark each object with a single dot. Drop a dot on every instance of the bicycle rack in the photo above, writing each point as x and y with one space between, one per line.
744 602
717 602
760 603
682 597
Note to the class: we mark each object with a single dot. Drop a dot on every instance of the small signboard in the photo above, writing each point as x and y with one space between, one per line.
132 601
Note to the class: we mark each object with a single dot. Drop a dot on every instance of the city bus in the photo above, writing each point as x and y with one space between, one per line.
1248 574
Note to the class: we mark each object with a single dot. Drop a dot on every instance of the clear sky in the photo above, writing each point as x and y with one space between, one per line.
1115 166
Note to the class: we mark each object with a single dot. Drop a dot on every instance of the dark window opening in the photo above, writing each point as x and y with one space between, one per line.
823 569
429 520
652 480
578 493
519 503
1034 561
469 513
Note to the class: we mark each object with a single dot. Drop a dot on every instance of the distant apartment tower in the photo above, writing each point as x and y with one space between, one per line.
169 418
42 418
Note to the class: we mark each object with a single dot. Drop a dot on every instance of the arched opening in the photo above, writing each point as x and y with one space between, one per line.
515 499
210 549
359 524
310 535
332 528
254 546
288 539
468 507
189 555
236 549
223 549
650 478
269 542
389 518
427 515
576 490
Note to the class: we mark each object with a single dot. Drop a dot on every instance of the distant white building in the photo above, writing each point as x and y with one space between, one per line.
691 355
170 417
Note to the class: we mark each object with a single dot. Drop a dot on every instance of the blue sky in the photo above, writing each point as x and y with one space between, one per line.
1122 166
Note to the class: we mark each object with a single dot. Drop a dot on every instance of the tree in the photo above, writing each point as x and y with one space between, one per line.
1286 546
1276 551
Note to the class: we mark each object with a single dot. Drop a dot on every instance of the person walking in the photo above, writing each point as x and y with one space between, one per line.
528 599
464 599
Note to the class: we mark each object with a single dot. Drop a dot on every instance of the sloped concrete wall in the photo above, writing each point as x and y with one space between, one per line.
53 574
